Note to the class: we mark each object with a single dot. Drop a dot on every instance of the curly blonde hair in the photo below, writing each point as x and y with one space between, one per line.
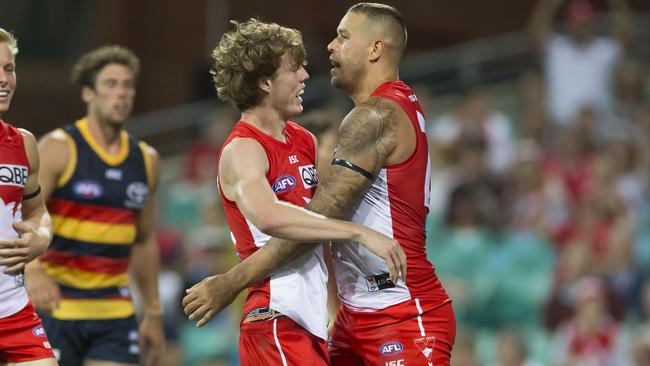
10 40
248 53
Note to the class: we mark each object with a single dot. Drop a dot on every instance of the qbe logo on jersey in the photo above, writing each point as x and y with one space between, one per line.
13 175
308 176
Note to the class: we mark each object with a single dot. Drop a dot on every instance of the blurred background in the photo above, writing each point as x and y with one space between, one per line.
539 124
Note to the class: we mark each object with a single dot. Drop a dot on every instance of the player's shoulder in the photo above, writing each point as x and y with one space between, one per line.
148 149
26 134
58 135
376 110
241 149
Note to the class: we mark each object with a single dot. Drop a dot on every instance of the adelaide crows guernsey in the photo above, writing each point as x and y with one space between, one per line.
14 169
298 290
94 213
396 204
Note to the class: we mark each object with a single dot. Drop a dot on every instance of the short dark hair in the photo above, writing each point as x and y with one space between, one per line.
84 72
386 15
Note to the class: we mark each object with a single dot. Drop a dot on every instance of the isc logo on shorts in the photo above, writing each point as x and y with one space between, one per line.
284 184
308 176
391 348
13 175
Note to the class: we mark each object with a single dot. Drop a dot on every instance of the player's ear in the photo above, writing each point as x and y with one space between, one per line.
377 50
265 84
87 94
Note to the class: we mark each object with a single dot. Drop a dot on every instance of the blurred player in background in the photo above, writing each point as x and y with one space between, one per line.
99 181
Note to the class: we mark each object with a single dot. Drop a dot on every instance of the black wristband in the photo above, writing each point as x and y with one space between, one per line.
33 194
358 169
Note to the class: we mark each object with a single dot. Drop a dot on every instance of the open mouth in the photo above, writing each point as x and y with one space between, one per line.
300 93
121 107
4 94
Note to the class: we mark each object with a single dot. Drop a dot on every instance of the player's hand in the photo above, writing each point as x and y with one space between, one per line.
151 337
208 297
42 288
388 249
16 253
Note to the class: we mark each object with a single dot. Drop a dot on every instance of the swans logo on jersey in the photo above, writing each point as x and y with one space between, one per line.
308 175
284 184
13 175
426 346
87 189
413 98
137 193
391 348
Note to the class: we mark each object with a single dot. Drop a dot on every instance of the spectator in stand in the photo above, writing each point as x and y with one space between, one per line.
630 83
640 332
476 118
464 352
511 349
591 336
579 65
539 201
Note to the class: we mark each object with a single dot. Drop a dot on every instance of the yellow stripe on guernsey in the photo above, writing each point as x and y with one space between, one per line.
115 160
147 163
93 232
84 309
72 159
85 280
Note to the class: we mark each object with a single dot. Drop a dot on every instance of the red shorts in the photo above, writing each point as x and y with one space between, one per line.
22 337
280 342
401 335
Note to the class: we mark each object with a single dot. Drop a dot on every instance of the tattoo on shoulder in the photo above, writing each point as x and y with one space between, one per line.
370 130
367 137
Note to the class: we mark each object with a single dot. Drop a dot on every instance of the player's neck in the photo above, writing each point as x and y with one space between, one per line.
371 81
267 121
106 135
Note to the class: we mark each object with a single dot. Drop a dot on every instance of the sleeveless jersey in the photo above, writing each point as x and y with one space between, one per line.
14 169
94 213
396 204
298 290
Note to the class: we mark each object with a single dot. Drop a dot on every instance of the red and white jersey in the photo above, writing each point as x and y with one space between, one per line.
298 290
14 169
396 204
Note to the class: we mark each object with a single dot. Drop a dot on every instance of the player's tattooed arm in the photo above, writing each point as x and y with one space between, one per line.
367 137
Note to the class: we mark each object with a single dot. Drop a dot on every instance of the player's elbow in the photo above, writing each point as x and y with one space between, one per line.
268 223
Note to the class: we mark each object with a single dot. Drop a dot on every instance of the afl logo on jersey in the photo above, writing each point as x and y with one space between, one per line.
38 331
390 348
88 189
137 193
284 184
13 175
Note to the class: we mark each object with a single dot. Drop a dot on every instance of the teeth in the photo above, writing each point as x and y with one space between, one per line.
4 93
301 92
